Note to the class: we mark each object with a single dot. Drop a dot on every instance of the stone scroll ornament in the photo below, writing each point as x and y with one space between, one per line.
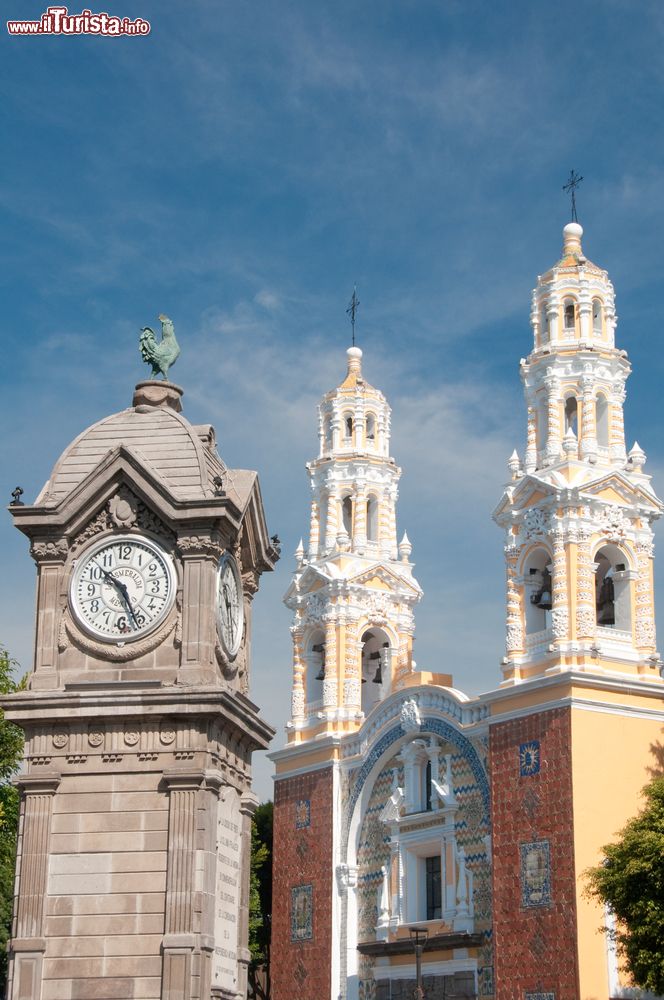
160 354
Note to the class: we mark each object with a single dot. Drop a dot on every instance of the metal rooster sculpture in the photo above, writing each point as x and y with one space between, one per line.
160 354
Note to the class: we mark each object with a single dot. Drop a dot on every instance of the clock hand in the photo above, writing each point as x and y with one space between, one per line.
122 590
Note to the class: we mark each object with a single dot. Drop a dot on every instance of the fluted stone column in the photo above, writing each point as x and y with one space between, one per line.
248 806
28 941
179 941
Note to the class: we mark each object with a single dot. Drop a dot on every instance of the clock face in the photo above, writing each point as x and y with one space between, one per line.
230 605
122 588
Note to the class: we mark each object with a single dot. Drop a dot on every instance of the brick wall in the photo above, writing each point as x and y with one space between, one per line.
302 858
534 915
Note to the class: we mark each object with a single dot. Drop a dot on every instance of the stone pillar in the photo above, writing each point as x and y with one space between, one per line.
530 459
298 696
200 556
331 682
586 612
560 608
50 557
179 940
28 942
644 616
617 451
588 443
331 520
249 804
352 694
514 637
359 539
554 439
314 530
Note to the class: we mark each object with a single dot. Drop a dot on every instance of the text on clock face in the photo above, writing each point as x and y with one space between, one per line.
122 588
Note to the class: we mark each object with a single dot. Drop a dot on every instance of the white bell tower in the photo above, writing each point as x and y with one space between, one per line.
579 509
353 591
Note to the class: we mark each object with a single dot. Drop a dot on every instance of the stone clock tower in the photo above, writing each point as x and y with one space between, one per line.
134 841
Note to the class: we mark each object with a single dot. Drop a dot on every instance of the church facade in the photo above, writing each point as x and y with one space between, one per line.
400 802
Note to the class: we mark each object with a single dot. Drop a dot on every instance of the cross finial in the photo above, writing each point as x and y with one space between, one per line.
570 188
353 306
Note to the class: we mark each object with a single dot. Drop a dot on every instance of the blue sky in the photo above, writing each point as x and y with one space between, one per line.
240 168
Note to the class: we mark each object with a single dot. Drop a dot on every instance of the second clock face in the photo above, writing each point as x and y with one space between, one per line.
122 588
230 605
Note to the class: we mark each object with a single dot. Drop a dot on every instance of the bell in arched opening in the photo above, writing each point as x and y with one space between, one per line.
542 597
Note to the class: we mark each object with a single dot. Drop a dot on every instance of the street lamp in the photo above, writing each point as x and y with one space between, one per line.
418 936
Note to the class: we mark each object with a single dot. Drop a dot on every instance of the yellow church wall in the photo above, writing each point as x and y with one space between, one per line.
611 757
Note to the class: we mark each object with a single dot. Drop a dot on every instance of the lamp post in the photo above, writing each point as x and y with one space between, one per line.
418 936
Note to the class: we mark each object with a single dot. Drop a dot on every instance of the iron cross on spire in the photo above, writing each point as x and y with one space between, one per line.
570 188
353 306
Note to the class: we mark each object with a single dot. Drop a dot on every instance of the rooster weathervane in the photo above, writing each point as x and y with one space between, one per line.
161 354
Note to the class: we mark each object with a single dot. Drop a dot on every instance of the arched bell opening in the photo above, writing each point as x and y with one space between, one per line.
376 667
612 590
347 515
371 430
597 317
543 326
572 415
315 660
602 421
327 433
538 587
569 317
348 428
372 519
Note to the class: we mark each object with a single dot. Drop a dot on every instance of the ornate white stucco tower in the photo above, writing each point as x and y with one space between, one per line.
353 593
579 510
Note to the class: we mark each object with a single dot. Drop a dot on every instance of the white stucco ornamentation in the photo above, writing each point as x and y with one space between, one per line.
410 716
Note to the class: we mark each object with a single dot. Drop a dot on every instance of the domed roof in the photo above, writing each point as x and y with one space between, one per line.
183 456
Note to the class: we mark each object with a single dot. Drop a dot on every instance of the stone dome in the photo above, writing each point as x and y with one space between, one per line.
182 455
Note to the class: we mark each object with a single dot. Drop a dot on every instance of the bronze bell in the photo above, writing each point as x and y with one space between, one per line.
320 648
542 599
606 609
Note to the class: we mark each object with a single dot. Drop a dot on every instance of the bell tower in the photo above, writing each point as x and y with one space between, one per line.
579 708
352 596
353 591
579 509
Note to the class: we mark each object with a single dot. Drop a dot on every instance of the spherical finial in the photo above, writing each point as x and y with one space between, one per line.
354 355
572 234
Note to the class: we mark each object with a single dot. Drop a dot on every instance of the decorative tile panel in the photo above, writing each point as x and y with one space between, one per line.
535 873
540 996
529 758
302 814
302 912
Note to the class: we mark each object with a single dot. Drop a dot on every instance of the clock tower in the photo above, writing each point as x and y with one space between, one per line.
135 830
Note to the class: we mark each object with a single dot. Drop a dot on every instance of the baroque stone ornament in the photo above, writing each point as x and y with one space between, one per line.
45 550
410 716
123 508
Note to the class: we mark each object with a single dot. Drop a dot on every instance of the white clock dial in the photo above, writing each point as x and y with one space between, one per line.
122 588
230 605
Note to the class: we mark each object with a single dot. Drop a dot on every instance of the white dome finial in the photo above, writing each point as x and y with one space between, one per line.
354 355
572 234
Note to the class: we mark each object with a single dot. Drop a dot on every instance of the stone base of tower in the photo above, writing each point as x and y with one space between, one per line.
534 882
303 888
134 845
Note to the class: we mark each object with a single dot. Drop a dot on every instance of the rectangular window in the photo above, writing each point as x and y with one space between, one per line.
433 886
